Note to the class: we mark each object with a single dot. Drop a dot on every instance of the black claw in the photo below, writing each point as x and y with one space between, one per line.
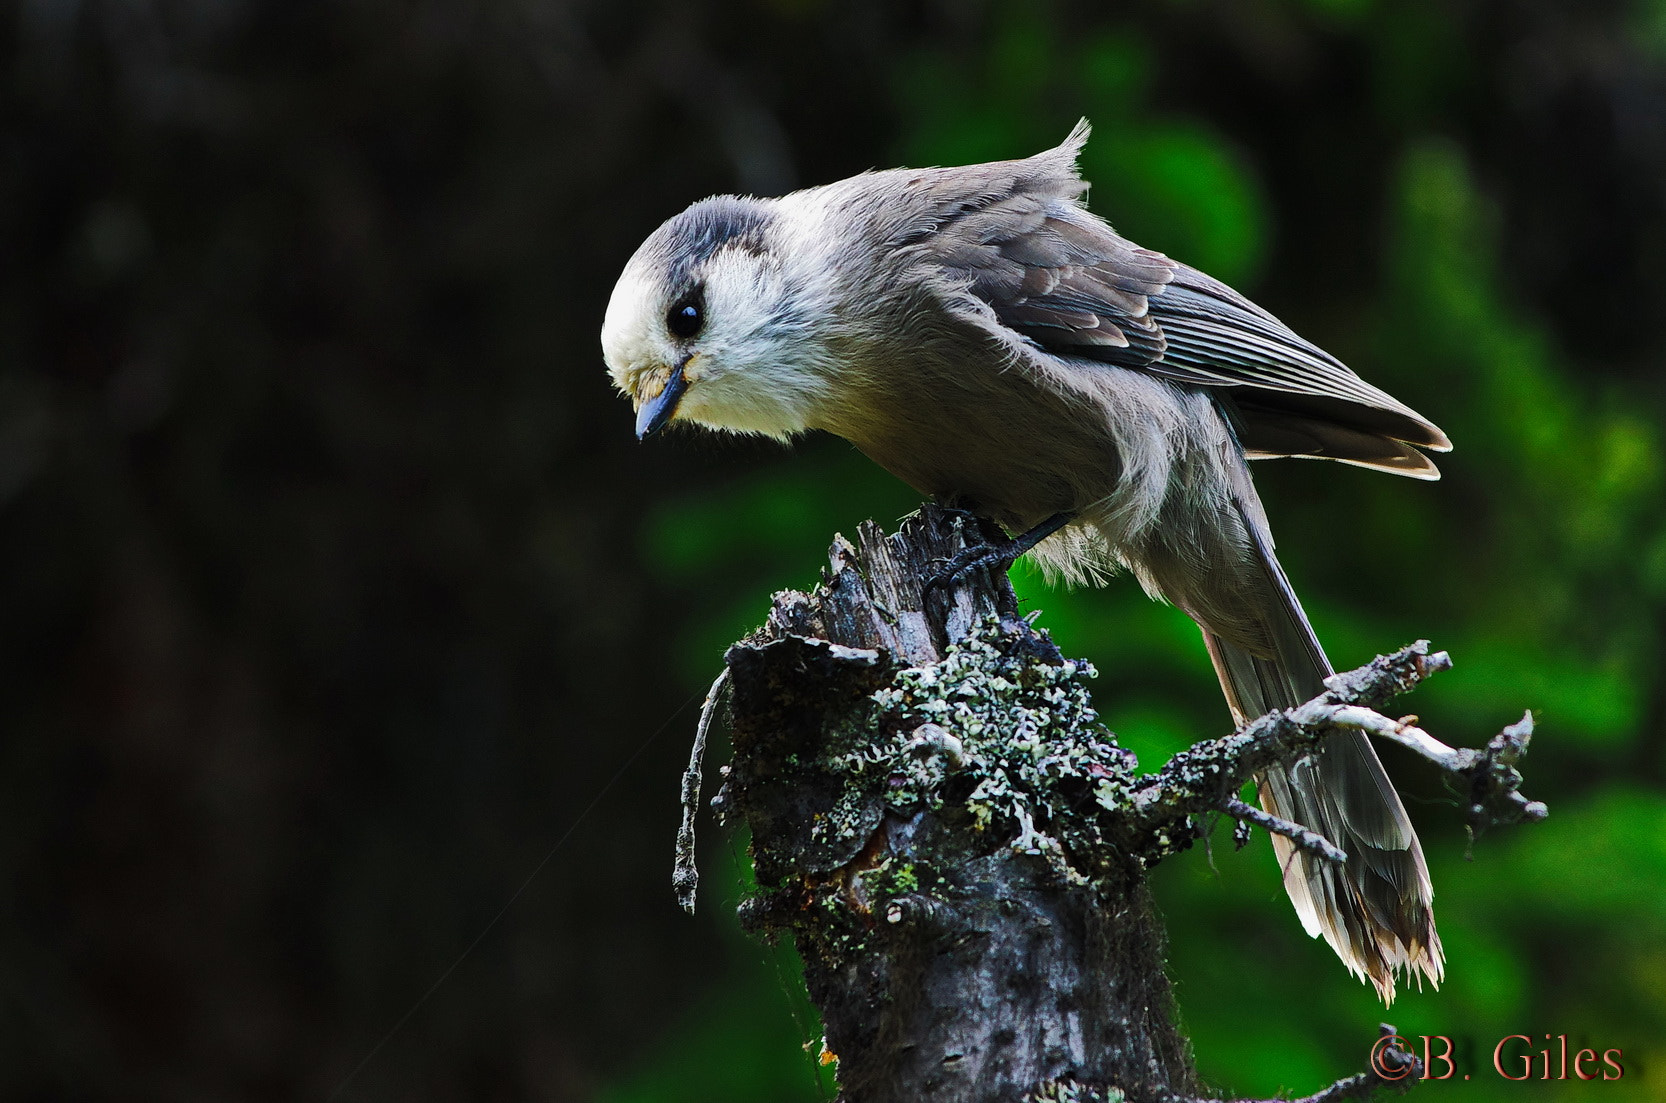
1000 554
973 558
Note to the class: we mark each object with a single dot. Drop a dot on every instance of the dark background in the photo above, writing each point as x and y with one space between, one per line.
334 589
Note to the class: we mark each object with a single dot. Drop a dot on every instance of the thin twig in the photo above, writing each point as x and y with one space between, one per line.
1203 776
1391 1067
685 874
1491 774
1310 841
1385 677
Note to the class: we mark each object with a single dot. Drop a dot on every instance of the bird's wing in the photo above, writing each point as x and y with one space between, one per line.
1059 276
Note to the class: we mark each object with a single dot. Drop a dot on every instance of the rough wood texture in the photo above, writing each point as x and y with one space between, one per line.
948 962
960 850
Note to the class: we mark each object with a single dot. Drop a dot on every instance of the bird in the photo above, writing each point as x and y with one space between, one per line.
981 334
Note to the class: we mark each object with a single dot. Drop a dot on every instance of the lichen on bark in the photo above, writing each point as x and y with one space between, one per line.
959 849
931 824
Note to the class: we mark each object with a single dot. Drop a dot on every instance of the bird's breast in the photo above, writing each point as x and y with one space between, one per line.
999 441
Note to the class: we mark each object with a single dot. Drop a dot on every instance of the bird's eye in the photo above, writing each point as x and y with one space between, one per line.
685 319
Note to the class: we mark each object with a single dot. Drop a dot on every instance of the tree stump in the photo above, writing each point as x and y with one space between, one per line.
960 850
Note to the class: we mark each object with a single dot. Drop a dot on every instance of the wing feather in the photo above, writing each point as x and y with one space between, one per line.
1062 278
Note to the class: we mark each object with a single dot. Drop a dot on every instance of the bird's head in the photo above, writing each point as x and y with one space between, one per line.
709 324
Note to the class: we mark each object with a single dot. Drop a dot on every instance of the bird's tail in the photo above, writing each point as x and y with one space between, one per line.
1375 908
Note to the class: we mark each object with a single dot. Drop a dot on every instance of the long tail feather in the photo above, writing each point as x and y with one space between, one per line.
1375 909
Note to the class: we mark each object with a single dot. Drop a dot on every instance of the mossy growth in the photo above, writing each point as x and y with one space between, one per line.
1000 738
1069 1091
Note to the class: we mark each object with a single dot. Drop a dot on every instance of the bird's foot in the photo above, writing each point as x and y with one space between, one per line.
992 554
973 557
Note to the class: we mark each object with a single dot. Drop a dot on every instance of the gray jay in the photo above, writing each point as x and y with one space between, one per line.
981 335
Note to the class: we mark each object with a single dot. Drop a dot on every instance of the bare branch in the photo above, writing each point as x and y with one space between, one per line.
685 874
1391 1067
1491 776
1385 677
1209 774
1295 832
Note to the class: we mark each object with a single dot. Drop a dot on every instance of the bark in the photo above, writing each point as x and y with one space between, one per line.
957 847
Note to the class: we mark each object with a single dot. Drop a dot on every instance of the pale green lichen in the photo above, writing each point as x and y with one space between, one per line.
1069 1091
1019 734
878 887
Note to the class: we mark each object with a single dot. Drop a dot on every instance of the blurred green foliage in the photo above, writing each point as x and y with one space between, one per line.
1540 562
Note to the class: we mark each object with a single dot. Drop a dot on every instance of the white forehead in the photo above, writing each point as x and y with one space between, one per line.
629 329
672 261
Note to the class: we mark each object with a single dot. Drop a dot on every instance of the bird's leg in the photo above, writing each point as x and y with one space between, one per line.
999 554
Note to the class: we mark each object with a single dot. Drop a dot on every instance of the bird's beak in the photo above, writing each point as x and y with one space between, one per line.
658 410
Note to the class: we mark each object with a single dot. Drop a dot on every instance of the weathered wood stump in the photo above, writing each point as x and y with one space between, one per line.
960 851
